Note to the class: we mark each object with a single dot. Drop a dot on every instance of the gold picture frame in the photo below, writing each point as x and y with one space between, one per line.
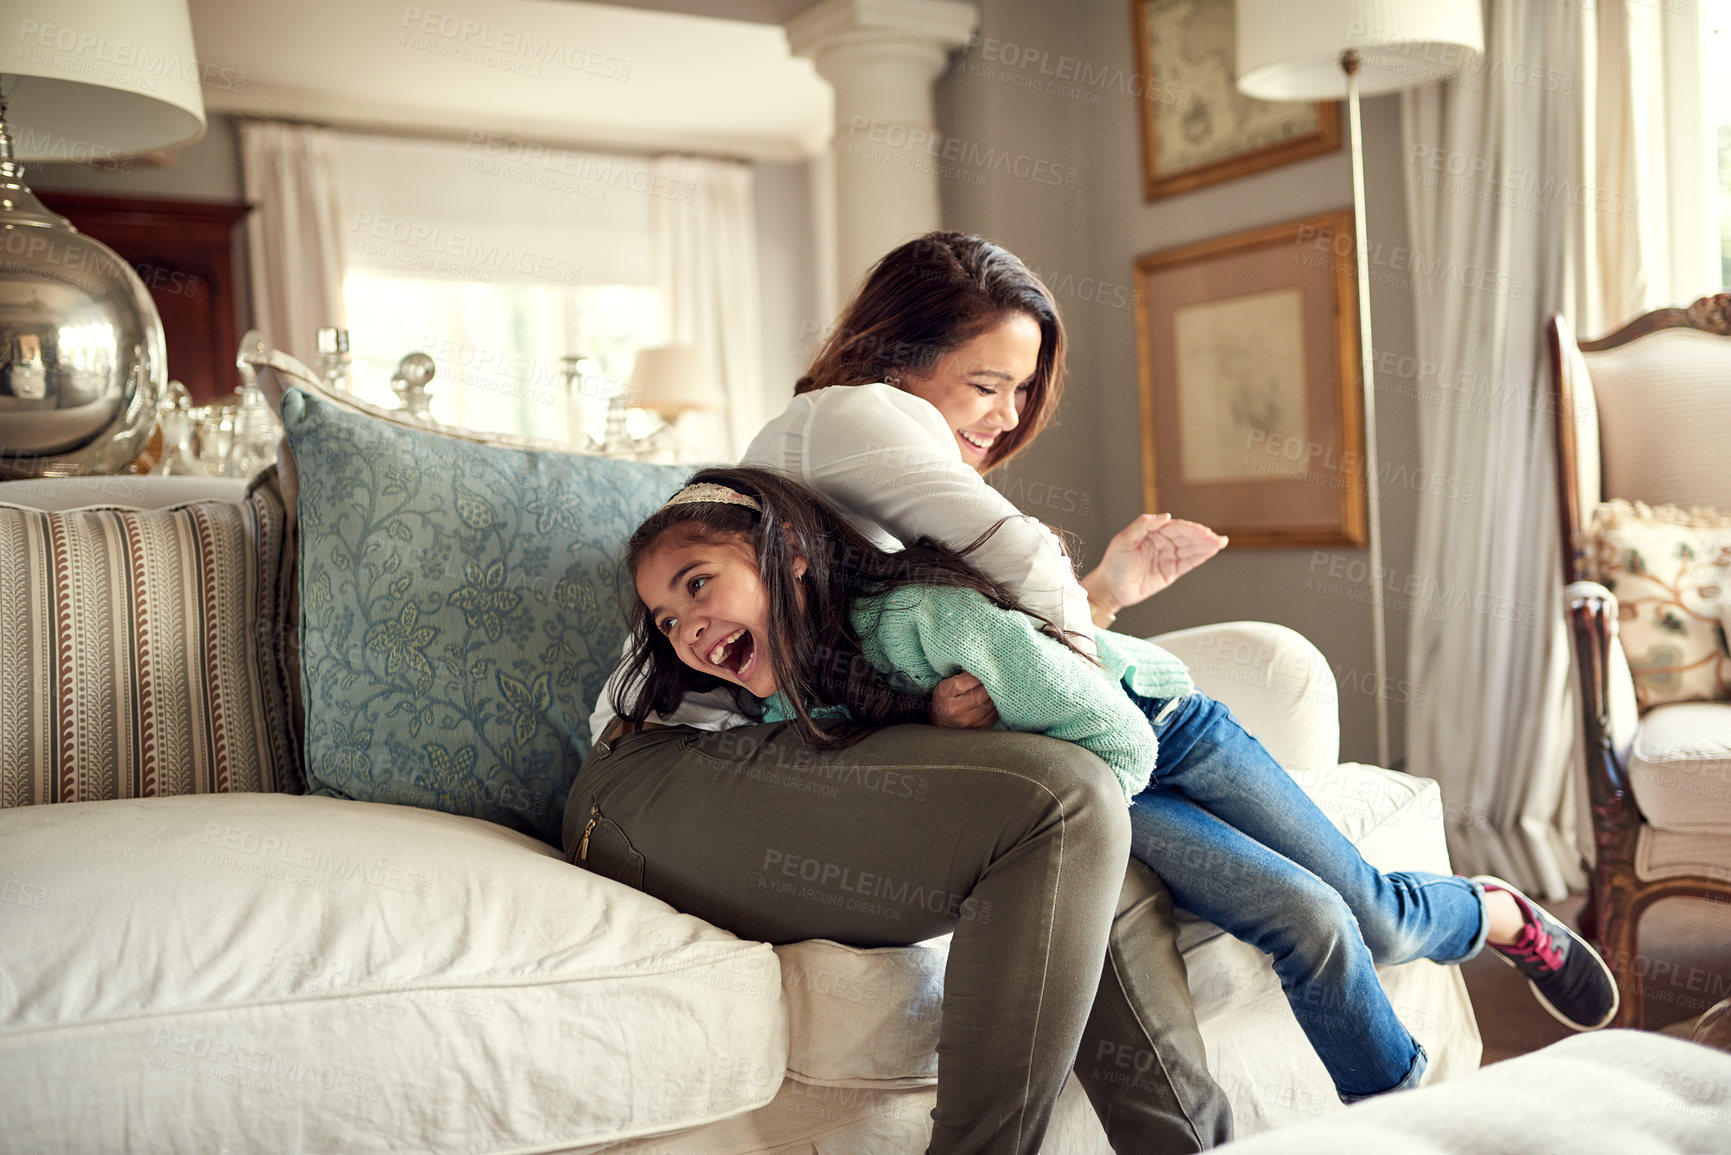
1196 128
1248 359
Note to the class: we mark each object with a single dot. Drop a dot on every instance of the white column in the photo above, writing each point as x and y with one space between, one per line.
881 57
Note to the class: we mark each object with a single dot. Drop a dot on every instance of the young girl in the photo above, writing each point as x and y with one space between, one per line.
750 582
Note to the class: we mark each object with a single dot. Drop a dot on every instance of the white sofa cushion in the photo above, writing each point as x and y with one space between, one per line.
862 1017
818 1120
1670 854
303 973
1276 681
1680 767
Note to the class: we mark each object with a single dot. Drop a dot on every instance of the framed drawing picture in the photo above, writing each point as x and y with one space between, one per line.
1252 416
1197 128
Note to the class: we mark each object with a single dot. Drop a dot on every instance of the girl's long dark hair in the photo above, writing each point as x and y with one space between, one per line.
815 652
931 295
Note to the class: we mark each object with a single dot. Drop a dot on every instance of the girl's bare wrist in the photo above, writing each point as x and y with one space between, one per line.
1100 603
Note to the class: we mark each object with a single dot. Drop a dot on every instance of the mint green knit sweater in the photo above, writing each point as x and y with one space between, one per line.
927 633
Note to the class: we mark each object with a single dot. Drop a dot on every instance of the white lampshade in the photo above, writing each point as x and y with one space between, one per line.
93 78
1291 49
673 379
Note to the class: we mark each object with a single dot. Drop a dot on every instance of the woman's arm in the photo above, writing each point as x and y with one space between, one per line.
886 457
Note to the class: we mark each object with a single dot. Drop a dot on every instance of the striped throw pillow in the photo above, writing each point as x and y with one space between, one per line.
140 652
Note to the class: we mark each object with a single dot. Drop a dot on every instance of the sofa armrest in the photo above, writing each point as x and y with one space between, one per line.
1275 681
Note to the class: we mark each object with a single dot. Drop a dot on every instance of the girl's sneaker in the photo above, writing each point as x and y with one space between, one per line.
1567 975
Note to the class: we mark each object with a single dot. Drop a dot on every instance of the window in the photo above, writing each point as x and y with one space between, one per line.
504 261
501 349
1687 127
1716 37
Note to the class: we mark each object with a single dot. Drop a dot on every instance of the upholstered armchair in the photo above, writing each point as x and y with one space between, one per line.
1643 415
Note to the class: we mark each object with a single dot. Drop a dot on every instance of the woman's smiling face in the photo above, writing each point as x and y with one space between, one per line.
982 385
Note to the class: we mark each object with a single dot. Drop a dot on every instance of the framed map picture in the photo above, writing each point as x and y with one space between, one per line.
1252 417
1197 128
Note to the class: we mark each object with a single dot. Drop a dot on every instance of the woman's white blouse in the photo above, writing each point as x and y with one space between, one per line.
889 462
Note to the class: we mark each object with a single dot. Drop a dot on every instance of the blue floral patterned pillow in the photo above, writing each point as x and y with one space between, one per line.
459 611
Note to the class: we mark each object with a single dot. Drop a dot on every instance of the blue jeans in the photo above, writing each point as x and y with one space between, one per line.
1239 844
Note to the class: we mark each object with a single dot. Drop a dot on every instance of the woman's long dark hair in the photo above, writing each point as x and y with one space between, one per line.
929 296
815 652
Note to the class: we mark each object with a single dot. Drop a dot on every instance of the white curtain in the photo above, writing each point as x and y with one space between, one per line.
1523 200
294 234
705 227
1629 249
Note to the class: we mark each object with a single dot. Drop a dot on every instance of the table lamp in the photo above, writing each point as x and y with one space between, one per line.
670 380
82 356
1326 50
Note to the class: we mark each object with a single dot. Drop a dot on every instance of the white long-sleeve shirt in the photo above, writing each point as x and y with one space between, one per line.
889 462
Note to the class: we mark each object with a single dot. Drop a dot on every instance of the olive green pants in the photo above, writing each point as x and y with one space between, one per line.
1063 955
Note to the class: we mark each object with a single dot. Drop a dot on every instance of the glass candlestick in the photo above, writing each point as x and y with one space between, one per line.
175 419
334 357
571 369
215 437
414 373
257 432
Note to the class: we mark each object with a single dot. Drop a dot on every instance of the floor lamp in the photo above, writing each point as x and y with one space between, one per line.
1304 50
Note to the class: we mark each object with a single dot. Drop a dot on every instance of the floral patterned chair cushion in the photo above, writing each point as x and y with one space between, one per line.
1667 567
460 611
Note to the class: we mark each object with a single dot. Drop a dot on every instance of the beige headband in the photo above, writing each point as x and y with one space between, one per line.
709 491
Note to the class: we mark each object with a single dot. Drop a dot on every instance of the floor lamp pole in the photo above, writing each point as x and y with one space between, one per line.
1367 380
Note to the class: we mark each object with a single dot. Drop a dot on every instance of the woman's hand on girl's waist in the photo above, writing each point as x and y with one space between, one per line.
960 702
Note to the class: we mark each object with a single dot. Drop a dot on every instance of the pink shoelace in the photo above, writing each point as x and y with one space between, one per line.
1536 945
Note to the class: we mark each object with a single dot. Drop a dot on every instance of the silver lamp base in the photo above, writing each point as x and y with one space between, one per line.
82 355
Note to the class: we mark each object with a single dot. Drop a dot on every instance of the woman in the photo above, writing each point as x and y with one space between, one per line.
914 396
960 324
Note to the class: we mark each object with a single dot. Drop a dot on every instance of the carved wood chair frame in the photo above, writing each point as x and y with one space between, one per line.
1619 896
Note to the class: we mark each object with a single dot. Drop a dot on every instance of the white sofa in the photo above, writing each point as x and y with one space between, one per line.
274 972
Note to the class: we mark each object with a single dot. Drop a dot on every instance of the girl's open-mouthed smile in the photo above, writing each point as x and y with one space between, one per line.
709 601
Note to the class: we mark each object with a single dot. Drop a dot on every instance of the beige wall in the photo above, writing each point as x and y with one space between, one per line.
788 271
209 169
1092 461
